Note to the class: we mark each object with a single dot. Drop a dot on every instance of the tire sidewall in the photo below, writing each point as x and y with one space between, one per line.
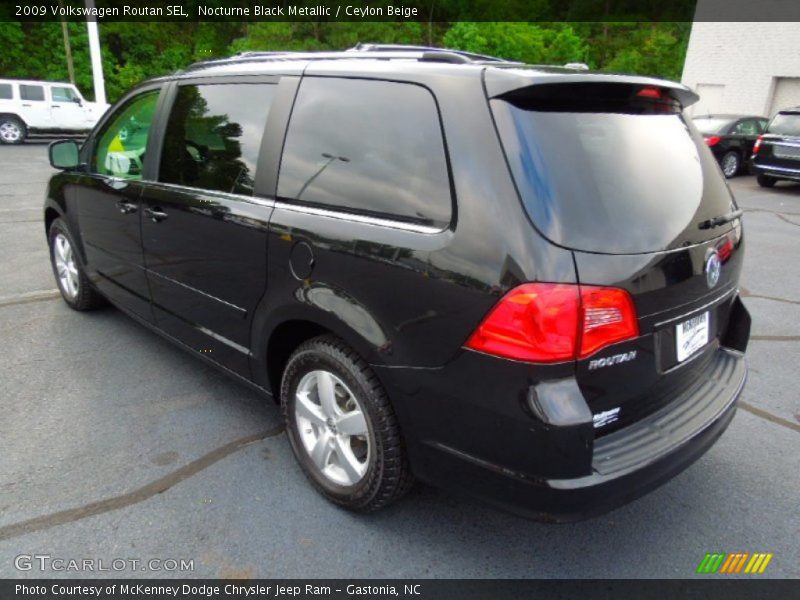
315 359
20 125
765 181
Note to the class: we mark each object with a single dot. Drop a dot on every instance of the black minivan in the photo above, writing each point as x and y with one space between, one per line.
516 282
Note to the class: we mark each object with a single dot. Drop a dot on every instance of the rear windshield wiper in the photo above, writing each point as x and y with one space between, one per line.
720 220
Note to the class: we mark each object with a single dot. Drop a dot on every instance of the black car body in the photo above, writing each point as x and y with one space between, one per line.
731 139
507 291
776 155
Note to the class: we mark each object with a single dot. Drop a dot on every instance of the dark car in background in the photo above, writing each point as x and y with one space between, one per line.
431 260
731 139
776 154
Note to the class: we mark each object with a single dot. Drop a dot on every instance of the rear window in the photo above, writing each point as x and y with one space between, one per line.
610 175
785 124
715 126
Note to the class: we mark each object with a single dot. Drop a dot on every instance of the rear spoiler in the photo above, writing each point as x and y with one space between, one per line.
499 82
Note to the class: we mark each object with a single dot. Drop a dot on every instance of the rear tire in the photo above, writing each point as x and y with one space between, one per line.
730 163
342 428
766 181
71 279
12 130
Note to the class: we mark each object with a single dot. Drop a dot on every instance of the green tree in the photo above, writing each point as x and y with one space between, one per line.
535 43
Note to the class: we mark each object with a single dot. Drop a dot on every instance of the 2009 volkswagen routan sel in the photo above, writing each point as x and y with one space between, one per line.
518 282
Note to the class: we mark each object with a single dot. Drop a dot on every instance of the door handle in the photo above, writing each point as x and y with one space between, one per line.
126 208
156 214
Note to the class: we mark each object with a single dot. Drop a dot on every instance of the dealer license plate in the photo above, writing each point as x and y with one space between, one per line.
691 335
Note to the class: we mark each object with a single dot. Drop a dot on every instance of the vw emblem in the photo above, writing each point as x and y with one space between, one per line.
713 267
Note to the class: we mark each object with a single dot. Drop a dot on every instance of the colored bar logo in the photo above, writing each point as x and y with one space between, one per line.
734 563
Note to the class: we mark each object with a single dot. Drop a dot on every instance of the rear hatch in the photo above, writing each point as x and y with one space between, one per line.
614 172
779 147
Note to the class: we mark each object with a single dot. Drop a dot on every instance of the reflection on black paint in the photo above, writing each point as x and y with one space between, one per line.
213 136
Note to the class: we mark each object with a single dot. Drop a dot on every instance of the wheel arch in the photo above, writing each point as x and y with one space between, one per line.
50 215
286 329
3 115
55 207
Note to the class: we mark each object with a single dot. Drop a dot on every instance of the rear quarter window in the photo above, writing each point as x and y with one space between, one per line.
6 93
367 146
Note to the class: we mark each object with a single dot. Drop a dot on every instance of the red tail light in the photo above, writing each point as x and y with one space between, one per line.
713 140
552 322
608 317
757 145
650 92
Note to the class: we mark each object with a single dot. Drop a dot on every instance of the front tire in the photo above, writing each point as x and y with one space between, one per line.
342 428
12 130
765 181
730 164
72 282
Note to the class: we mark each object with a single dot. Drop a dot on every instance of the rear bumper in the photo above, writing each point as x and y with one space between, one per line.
777 172
625 464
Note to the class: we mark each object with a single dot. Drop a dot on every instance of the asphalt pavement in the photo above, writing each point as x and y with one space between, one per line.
115 445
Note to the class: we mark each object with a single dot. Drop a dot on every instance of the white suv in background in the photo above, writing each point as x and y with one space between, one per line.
43 107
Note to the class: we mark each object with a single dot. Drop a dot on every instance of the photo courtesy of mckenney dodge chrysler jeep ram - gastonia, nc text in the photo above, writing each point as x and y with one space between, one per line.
443 266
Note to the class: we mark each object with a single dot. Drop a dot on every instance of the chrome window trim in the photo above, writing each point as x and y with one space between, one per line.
356 218
214 193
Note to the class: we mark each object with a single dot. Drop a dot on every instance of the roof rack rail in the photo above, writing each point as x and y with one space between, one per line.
578 66
469 56
361 51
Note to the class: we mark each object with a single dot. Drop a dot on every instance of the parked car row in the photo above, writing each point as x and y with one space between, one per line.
28 106
751 143
731 139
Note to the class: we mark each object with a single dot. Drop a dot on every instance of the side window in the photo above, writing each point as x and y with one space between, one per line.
31 92
747 128
762 124
120 147
214 134
367 146
63 94
5 91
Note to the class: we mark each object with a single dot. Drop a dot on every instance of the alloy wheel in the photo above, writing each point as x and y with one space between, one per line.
10 131
332 427
730 164
66 267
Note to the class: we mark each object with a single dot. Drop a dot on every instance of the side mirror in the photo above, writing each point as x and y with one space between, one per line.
64 154
77 101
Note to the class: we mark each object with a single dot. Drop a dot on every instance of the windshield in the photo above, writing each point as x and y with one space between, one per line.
612 182
715 126
785 124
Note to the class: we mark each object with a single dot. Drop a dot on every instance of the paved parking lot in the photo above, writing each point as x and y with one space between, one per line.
115 444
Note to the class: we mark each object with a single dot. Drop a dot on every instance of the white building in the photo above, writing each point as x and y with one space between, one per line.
743 67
